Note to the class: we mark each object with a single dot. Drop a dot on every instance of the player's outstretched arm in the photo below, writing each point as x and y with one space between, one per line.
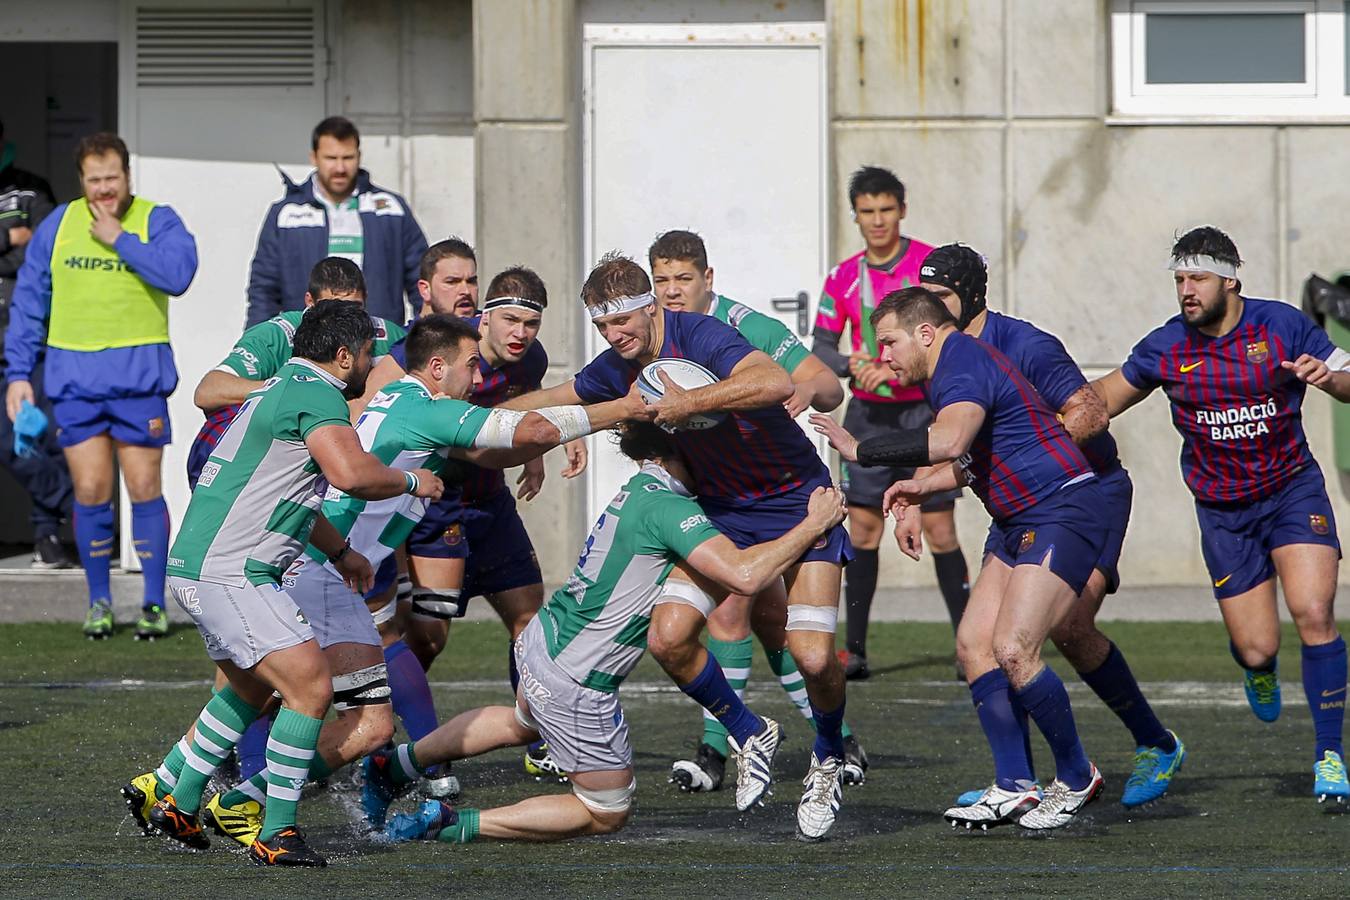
1116 393
1084 415
564 394
219 389
1311 370
751 570
350 469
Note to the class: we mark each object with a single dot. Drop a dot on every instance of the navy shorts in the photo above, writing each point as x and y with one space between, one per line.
1118 490
440 533
768 518
1237 538
140 421
1067 526
385 576
501 557
866 485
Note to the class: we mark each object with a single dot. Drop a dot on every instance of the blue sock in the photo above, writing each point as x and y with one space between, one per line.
1324 684
150 537
409 691
711 691
829 732
252 747
1048 704
1005 728
94 538
1114 683
1024 723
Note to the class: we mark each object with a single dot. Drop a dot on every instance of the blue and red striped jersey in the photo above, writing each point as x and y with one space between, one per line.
1238 412
1042 359
1021 454
751 454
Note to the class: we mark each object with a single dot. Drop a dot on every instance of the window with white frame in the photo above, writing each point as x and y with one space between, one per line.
1230 59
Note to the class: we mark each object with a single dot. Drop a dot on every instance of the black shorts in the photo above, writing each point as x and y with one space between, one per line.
866 485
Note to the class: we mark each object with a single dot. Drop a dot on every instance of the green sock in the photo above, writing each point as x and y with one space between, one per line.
290 752
169 771
403 764
464 830
218 729
786 669
734 658
255 788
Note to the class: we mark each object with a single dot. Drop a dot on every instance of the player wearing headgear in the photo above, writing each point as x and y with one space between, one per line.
1235 370
880 404
586 640
753 473
254 509
1006 444
417 421
683 281
956 274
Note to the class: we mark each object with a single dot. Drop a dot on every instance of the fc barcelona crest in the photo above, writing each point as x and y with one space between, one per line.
1257 352
1028 538
454 534
1318 524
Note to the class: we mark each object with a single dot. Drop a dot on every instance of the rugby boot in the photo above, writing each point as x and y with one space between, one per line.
154 623
286 848
823 794
423 825
98 623
170 821
378 789
702 773
1152 775
1060 804
1263 693
141 797
241 822
539 764
754 765
1329 781
855 761
992 807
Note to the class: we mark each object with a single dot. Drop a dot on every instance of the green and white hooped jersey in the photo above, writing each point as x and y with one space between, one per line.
763 332
406 429
595 626
252 511
263 349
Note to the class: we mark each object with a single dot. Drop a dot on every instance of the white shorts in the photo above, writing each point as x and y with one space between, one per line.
337 614
242 624
585 728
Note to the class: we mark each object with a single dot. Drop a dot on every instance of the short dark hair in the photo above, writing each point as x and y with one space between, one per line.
615 275
518 281
335 275
327 327
685 246
874 180
337 127
913 306
98 144
644 440
436 335
1207 241
451 246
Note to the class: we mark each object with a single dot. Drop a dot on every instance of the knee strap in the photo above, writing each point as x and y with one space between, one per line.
403 593
364 687
802 617
674 591
440 606
524 719
384 613
614 800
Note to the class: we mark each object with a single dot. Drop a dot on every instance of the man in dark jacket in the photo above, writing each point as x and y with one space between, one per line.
336 212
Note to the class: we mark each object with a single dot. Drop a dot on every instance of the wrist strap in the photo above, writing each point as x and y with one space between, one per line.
412 483
336 557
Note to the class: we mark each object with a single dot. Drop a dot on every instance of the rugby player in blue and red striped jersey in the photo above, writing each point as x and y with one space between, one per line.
1006 443
958 276
1235 370
753 473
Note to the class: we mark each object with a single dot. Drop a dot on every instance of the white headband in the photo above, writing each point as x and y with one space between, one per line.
518 302
1201 263
620 305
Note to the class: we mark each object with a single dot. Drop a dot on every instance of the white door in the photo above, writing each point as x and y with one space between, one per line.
720 129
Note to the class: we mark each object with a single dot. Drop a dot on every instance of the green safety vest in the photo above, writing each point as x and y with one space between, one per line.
98 301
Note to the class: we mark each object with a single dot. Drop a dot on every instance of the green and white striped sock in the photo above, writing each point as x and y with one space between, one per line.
255 788
734 657
464 830
219 727
403 764
166 776
290 751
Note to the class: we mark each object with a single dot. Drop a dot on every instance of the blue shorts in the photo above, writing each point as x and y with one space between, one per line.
1118 490
501 557
385 576
1237 538
140 421
768 518
440 533
1067 526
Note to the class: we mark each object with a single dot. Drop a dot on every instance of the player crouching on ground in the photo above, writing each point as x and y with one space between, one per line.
587 639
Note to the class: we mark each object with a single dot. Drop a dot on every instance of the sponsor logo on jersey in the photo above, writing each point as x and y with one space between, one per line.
737 314
250 360
98 264
187 596
826 307
1187 367
1257 352
209 472
1238 422
1318 523
1028 539
783 348
693 522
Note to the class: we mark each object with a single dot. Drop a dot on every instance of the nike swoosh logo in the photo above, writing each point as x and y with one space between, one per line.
101 543
1194 365
1333 693
1224 580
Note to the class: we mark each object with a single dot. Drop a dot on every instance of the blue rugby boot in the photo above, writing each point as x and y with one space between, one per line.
423 825
1329 781
1263 692
1153 771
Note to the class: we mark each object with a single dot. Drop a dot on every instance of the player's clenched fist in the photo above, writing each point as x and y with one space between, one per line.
429 486
826 508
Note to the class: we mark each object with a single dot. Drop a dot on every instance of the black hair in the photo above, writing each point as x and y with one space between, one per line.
451 246
685 246
327 327
335 275
518 281
874 180
436 335
1208 241
913 306
337 127
645 440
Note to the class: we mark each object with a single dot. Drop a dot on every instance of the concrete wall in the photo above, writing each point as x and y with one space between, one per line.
994 114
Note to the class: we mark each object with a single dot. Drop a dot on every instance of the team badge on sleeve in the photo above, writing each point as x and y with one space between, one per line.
1257 352
1318 523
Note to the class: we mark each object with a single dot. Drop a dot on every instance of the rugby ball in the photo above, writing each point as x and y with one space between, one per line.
686 374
